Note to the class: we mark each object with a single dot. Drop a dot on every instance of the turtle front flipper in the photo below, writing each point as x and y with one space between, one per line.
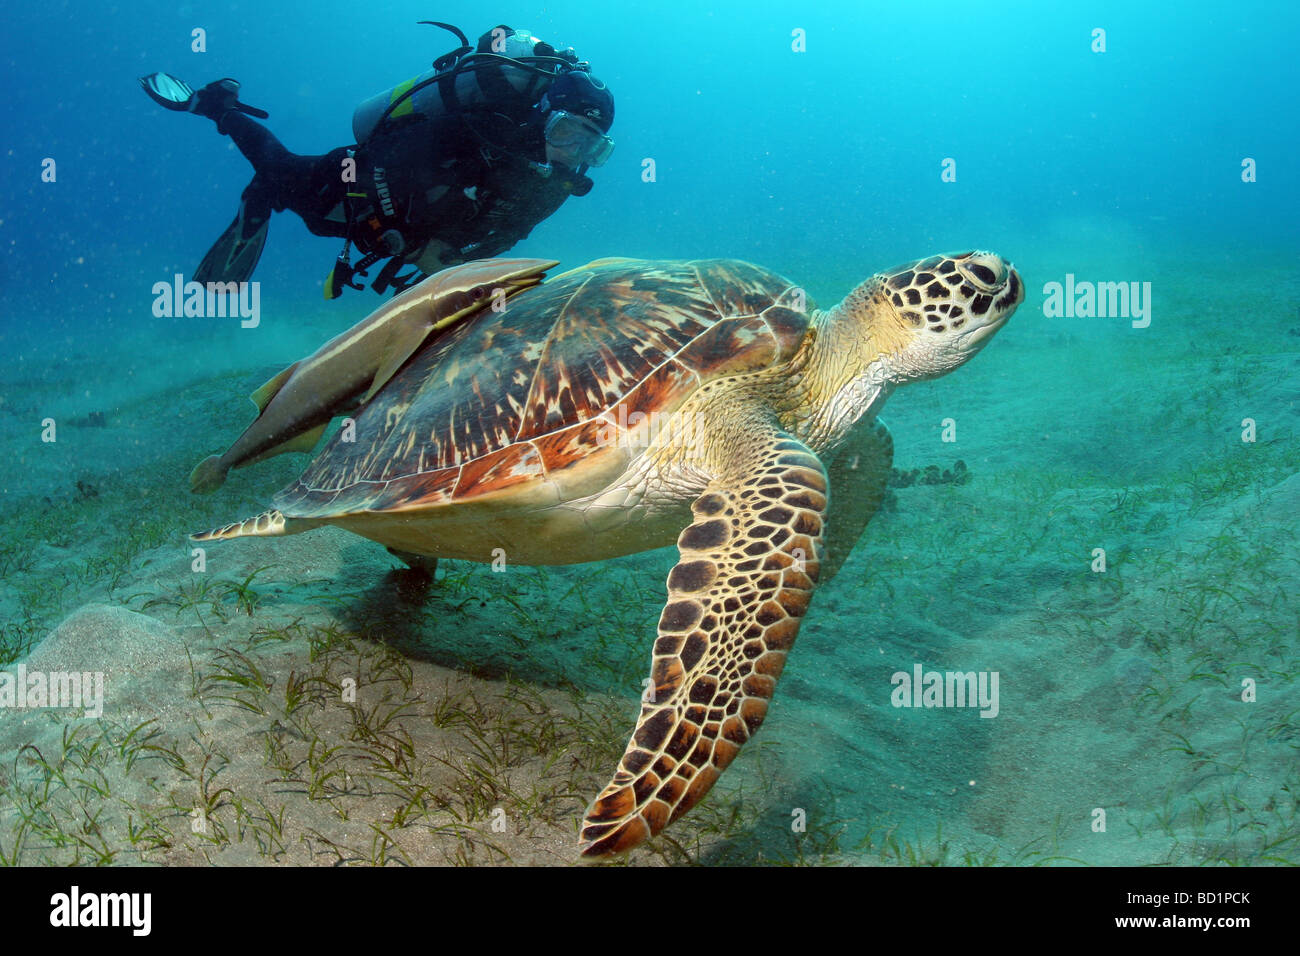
735 598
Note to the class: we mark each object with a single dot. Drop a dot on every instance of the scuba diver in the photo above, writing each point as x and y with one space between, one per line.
457 164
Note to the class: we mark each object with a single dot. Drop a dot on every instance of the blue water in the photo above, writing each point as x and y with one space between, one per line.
792 159
825 163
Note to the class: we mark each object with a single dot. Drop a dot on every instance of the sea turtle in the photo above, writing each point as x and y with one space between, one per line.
629 404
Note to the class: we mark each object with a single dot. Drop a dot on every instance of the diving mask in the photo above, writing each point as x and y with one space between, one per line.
578 137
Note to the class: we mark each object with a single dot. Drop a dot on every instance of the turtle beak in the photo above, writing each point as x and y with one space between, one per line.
985 332
1012 294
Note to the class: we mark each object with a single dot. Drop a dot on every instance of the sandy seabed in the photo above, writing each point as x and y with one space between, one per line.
300 702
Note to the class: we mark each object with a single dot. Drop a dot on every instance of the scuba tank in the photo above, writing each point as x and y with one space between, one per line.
507 65
507 72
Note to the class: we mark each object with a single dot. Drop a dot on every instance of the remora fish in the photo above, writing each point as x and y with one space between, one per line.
297 404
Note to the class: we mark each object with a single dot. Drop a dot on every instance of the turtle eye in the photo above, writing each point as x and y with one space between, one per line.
986 270
477 293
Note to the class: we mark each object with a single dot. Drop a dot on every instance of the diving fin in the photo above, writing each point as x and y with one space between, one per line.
167 91
211 101
234 256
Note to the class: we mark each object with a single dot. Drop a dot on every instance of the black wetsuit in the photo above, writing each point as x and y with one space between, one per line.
466 180
311 186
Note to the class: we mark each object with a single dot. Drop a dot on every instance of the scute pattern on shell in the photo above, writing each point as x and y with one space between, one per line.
507 397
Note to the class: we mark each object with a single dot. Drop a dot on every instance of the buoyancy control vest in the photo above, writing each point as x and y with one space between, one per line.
483 91
503 74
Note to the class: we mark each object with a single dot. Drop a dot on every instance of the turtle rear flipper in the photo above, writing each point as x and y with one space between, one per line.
268 524
735 599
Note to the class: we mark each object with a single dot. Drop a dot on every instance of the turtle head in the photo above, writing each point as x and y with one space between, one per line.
925 318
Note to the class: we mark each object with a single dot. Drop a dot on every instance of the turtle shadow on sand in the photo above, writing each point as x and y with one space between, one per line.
400 609
453 622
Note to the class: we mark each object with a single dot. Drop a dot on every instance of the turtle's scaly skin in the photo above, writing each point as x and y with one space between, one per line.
757 532
610 408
